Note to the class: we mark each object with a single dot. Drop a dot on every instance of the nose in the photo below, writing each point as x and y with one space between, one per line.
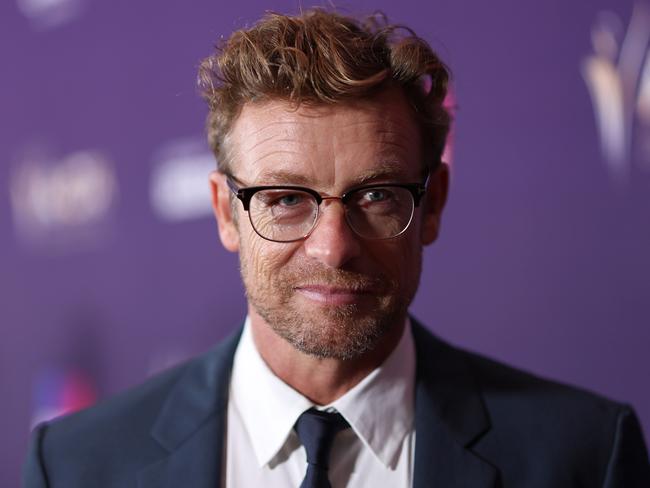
332 242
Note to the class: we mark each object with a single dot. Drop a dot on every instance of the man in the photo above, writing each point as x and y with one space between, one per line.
328 135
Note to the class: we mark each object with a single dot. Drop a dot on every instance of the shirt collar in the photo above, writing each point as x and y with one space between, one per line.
380 408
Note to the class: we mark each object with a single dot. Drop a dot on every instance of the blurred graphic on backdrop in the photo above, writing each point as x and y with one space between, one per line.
62 202
49 14
618 78
179 187
59 391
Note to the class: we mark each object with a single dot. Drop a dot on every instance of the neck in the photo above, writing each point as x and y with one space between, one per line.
321 380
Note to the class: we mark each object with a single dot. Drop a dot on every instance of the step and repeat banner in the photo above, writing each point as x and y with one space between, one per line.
110 264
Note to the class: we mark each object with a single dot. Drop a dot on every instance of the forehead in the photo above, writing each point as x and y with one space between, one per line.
326 146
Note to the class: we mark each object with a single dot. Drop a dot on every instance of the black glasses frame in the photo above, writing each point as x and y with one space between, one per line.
245 194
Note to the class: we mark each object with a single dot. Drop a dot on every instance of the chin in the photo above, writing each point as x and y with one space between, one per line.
338 332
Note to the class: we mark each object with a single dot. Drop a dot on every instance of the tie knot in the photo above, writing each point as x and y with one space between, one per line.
316 431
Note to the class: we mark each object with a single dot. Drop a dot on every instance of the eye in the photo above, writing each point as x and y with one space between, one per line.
375 199
375 195
289 200
282 198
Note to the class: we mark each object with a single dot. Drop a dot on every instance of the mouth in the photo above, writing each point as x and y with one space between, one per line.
331 295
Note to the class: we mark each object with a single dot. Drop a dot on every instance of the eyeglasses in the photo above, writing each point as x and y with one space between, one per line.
290 213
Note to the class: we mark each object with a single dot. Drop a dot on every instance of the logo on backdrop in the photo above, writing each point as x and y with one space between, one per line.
178 189
617 75
49 14
62 202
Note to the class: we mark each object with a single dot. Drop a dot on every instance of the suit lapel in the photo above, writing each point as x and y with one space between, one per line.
191 424
449 418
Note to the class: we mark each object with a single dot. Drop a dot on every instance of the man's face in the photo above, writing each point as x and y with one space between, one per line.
332 294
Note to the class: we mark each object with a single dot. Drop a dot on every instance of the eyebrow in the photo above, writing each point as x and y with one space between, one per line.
385 171
279 176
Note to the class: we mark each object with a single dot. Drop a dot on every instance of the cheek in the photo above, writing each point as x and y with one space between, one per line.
400 258
262 260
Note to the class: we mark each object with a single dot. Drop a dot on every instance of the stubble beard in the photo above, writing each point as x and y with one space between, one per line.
341 332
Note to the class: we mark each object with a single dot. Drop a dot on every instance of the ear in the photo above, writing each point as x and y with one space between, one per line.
228 231
433 203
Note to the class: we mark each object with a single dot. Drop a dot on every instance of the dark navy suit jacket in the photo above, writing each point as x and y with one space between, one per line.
479 424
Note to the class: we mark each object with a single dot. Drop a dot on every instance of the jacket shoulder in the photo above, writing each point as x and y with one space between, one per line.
511 388
541 422
510 391
536 425
113 439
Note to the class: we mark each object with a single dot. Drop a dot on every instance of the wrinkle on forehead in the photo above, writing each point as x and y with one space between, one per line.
383 172
322 143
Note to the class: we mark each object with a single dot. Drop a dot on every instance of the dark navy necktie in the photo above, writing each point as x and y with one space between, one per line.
316 431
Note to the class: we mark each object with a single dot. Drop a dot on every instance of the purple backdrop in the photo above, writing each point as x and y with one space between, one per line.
110 262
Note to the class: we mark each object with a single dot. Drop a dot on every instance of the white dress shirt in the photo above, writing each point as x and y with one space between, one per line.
262 450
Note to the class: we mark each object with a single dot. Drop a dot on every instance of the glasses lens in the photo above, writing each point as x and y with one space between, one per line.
283 215
380 212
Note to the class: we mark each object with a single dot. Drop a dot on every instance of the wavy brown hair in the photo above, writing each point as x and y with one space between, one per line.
322 57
